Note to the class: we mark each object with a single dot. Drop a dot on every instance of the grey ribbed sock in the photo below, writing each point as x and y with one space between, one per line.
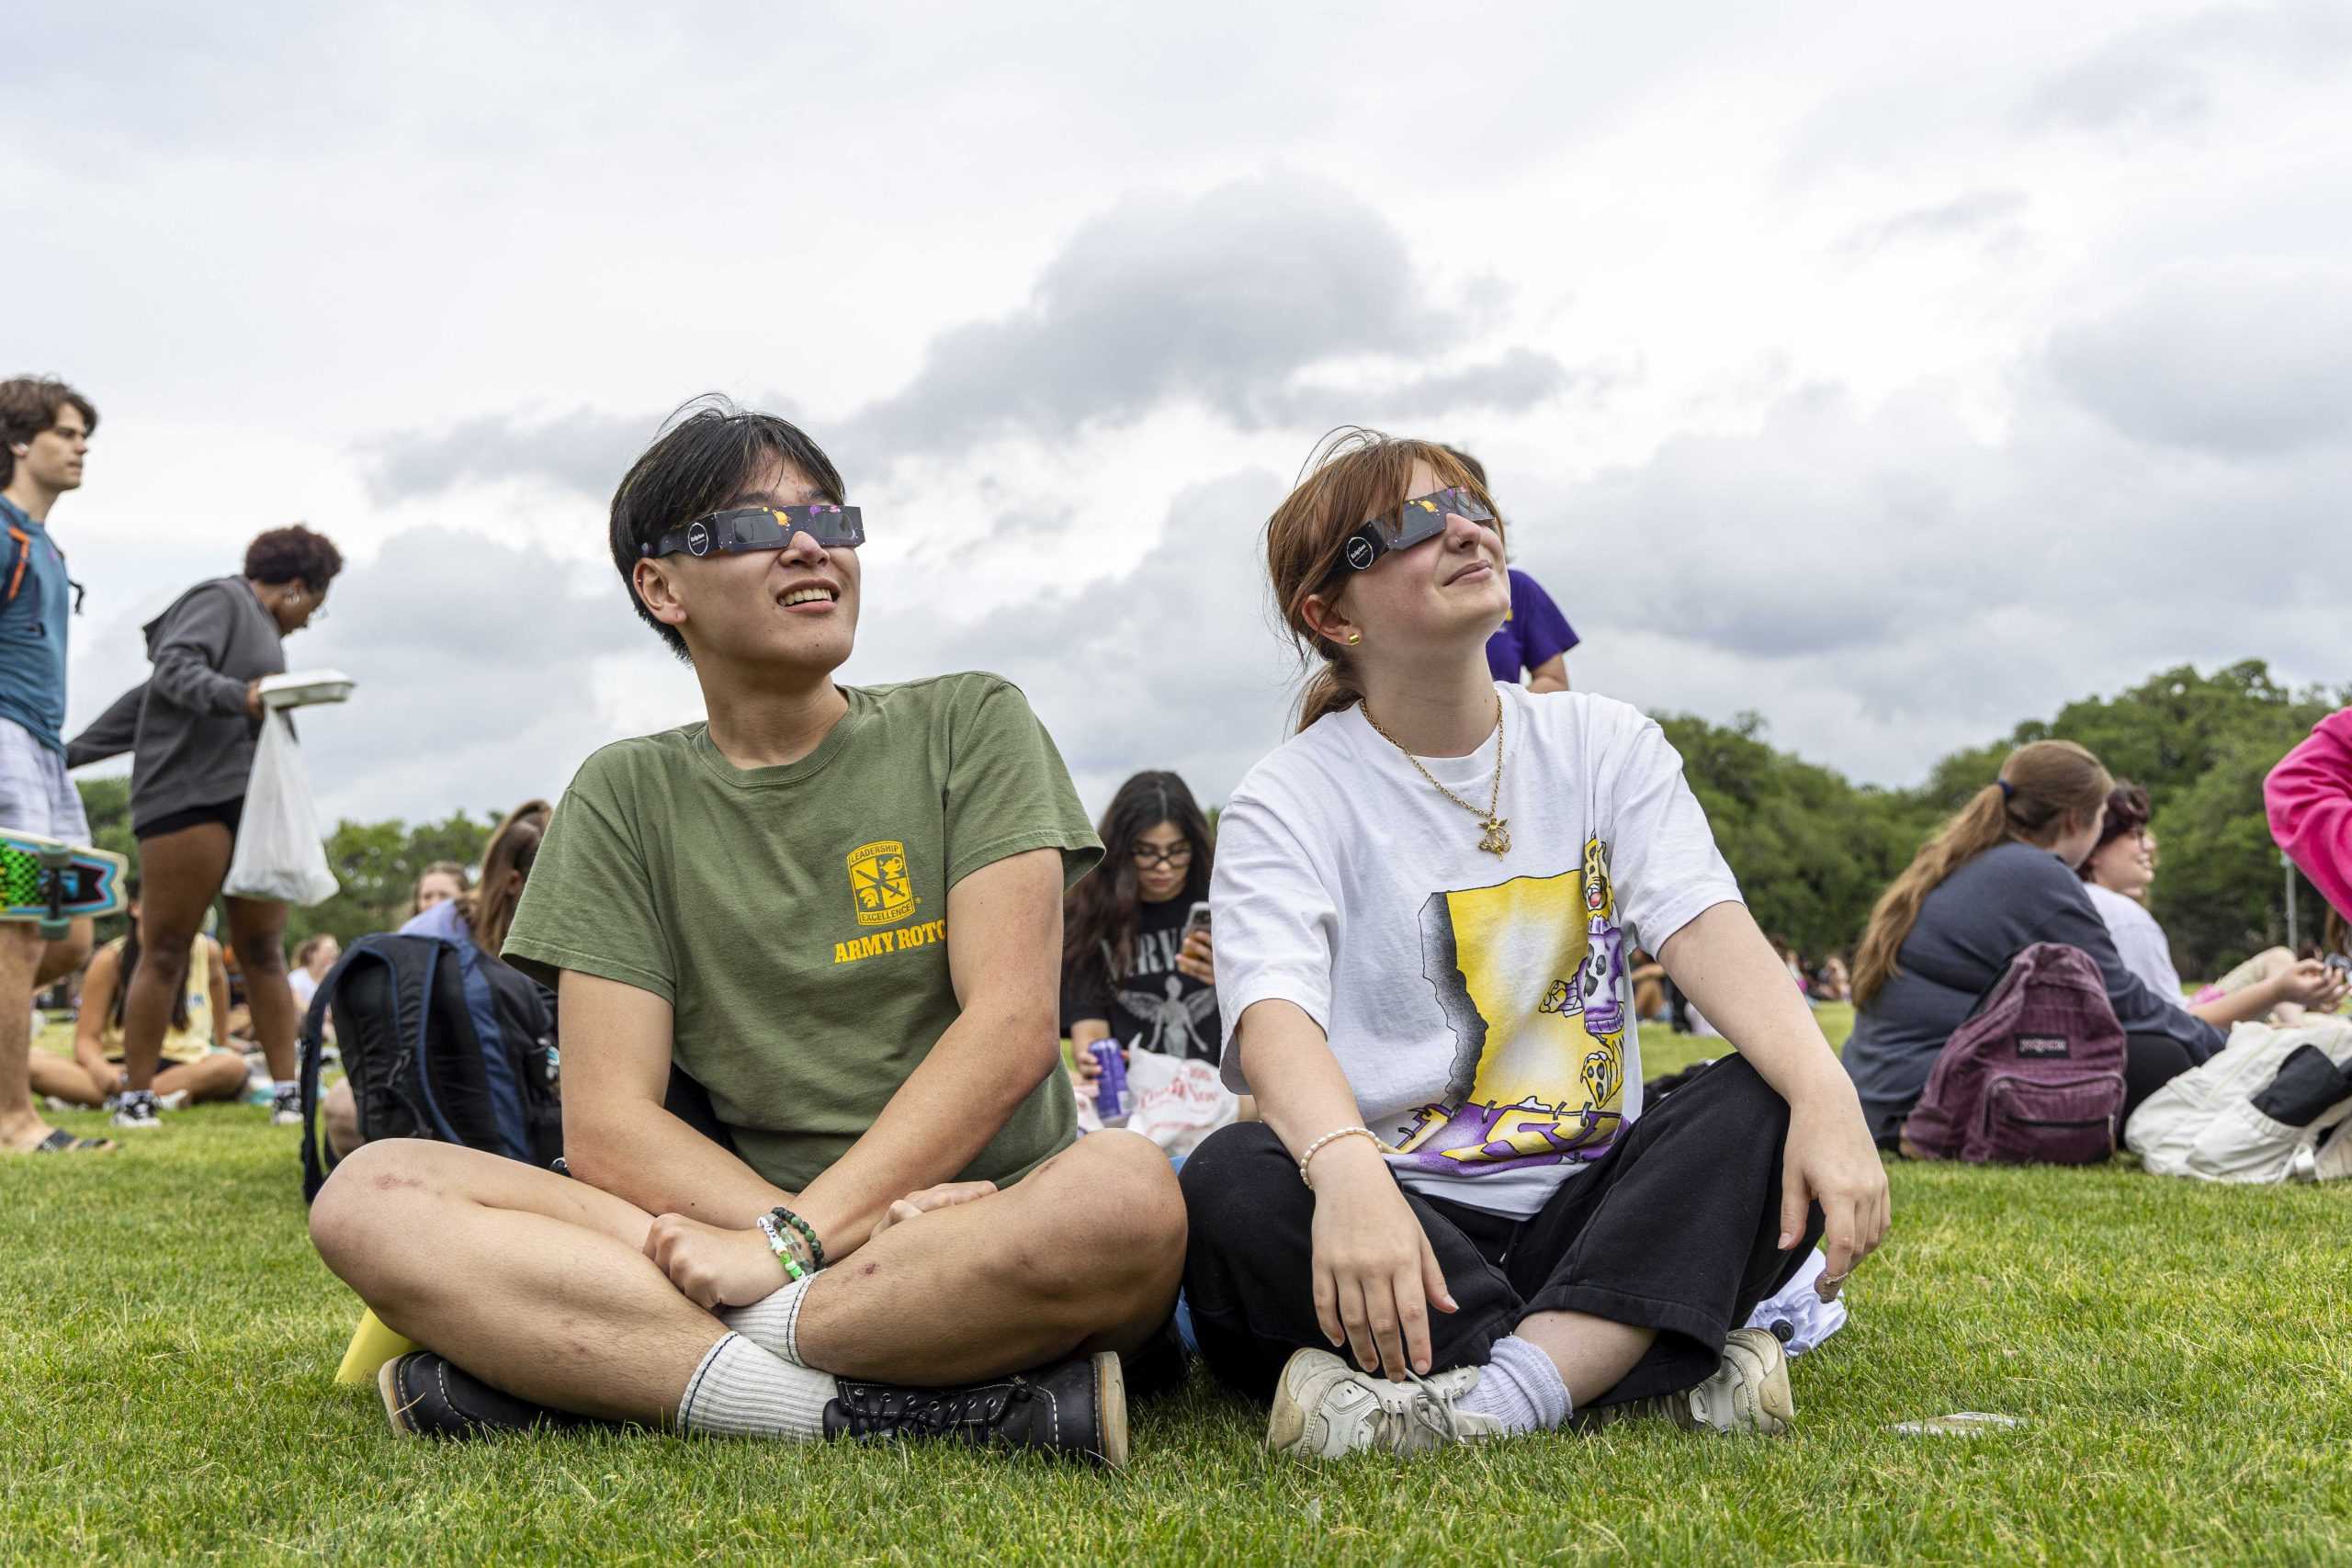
1520 1387
773 1323
740 1390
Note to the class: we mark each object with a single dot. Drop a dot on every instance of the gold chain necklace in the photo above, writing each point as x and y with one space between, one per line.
1496 841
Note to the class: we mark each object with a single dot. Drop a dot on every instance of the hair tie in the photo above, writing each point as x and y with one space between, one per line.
2009 790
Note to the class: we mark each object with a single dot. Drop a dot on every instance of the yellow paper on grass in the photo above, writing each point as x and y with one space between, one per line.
372 1345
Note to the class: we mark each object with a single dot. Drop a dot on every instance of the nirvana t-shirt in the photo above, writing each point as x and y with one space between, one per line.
1479 1004
1152 1005
796 917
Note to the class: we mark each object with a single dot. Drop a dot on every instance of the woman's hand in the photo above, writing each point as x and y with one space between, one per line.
2313 984
1198 958
947 1195
714 1267
1374 1274
253 699
1830 1160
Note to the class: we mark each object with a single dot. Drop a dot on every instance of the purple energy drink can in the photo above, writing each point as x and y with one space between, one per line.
1111 1088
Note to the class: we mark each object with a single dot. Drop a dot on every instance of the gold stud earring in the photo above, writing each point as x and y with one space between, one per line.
1354 637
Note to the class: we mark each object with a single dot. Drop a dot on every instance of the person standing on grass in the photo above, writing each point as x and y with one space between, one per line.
45 429
2273 986
197 1065
839 910
199 721
1534 637
1424 905
1996 879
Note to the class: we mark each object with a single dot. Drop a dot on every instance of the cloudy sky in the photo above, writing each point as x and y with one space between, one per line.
1896 372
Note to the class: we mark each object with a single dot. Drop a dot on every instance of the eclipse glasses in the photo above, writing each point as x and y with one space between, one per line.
762 528
1419 519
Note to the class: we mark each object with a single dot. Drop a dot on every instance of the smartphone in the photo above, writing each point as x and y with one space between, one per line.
1195 920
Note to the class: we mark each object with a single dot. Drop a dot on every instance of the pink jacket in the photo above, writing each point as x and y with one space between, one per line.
2309 796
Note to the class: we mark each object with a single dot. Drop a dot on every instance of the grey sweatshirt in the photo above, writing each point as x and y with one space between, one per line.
190 739
2006 899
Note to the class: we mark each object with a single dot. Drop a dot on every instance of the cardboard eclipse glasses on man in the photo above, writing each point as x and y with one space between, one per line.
762 528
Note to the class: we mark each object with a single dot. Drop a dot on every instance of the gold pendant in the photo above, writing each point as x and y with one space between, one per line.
1497 838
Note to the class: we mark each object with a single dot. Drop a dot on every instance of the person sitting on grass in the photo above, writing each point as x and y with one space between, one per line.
195 1065
474 923
837 908
439 882
1996 878
1130 972
2274 985
1424 901
312 959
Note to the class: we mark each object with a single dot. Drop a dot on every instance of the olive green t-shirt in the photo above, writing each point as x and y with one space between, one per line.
795 918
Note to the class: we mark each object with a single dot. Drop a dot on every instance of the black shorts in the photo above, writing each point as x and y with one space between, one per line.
228 813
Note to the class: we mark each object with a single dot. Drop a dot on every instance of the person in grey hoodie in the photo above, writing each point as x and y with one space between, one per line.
1999 877
191 730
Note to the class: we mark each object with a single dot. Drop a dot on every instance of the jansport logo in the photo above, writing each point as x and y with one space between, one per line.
2044 1045
879 883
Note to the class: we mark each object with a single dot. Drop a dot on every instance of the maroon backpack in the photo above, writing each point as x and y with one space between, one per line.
2035 1076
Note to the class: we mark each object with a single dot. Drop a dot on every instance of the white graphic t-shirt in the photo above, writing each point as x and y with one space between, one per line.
1479 1004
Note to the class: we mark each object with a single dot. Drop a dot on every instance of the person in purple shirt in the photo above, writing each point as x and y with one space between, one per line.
1534 637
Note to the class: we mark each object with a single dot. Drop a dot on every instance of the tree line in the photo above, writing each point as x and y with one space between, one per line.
1812 849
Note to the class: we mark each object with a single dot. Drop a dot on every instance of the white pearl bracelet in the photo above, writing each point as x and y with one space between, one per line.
1340 1133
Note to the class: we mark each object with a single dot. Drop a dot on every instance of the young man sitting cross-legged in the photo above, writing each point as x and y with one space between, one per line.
839 910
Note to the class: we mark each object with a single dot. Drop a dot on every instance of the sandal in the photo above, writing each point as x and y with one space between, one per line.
61 1142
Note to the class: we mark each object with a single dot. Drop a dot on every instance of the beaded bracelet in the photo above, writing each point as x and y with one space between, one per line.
782 1247
1340 1133
785 1216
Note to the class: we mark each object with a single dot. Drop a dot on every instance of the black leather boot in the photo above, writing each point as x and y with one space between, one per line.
1077 1407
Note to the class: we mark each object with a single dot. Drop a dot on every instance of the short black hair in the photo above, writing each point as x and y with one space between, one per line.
702 462
293 555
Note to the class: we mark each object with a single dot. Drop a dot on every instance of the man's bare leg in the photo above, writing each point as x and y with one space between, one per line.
539 1284
21 1127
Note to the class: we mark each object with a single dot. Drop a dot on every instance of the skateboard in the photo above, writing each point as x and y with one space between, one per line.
57 884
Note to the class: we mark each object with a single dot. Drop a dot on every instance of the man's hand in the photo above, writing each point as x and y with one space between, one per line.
714 1267
947 1195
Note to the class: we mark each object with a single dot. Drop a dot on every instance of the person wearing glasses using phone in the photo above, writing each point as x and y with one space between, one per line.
1137 965
838 909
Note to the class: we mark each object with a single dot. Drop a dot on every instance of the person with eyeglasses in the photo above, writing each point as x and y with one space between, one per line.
1135 967
837 911
2273 986
191 730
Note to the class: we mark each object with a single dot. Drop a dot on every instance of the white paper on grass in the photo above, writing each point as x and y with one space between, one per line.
281 855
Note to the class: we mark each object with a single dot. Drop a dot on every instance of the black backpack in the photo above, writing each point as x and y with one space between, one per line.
431 1051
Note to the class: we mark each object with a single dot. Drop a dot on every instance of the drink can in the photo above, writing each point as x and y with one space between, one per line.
1111 1088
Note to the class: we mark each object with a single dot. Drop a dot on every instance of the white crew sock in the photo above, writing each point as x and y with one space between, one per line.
773 1323
1520 1387
740 1390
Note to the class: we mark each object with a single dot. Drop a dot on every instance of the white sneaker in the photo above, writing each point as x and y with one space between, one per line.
1324 1408
1749 1392
285 1108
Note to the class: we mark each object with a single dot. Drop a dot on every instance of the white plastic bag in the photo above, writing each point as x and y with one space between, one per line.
1173 1101
281 855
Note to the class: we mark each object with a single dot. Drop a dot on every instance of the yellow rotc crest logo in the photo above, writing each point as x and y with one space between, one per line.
880 884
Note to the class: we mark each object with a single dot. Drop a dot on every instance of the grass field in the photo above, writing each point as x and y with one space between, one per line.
2177 1351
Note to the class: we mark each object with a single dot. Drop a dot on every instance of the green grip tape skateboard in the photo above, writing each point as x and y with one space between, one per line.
56 884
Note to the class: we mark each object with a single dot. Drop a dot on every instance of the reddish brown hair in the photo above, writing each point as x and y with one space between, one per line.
1354 476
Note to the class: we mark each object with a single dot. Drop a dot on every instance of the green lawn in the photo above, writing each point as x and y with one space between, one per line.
2177 1351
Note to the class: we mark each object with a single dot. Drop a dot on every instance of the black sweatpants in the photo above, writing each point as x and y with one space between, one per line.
1676 1229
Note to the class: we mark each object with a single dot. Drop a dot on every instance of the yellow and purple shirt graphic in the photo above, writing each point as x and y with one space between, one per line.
1531 977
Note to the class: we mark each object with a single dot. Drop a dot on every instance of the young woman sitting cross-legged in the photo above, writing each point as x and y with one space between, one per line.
1455 1220
839 910
196 1066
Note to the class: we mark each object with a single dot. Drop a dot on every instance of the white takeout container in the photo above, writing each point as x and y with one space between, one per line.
301 688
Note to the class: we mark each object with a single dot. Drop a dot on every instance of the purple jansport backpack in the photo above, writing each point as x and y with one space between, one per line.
2035 1076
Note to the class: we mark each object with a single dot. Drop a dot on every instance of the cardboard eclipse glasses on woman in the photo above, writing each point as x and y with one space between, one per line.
763 528
1419 519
